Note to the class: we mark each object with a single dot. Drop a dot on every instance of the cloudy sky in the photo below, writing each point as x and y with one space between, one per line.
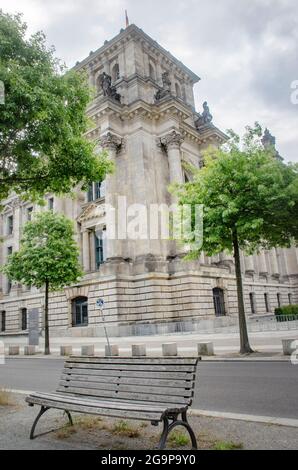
245 51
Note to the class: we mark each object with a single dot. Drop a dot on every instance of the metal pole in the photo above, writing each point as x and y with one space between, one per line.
106 333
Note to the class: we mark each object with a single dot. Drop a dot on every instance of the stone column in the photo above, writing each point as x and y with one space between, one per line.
172 143
262 263
274 263
86 251
112 144
249 264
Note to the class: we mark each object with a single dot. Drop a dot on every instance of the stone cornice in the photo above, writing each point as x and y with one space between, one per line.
133 32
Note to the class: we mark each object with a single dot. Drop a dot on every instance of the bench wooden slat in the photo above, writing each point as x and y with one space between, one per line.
92 401
85 408
124 395
137 367
191 361
120 387
177 384
177 376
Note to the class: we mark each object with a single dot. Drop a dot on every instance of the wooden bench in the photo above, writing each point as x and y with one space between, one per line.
150 389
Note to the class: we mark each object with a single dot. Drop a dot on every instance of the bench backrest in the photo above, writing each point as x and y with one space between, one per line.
161 380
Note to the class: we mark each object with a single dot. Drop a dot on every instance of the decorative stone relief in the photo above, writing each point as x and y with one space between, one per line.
172 140
111 141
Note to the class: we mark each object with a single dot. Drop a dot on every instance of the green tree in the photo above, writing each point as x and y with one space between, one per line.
43 120
250 203
48 258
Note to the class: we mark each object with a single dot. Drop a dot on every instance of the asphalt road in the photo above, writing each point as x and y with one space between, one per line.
255 388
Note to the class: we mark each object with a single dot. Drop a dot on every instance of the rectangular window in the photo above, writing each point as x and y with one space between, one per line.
252 303
9 250
278 300
51 203
10 224
97 188
100 248
267 303
3 321
90 193
24 319
290 299
29 213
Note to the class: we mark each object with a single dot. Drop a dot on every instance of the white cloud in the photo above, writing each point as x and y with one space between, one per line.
245 52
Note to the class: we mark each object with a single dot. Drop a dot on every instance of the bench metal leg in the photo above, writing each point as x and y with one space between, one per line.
43 409
69 417
167 428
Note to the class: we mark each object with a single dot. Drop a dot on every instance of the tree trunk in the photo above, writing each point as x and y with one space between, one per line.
46 321
244 341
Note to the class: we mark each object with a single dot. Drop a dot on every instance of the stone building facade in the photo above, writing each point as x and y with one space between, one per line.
144 116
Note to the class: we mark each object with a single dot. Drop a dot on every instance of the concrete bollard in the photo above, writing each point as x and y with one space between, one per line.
138 350
205 349
13 350
29 350
65 350
87 350
169 349
112 351
288 346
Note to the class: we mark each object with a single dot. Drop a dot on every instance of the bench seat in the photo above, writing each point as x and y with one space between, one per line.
114 408
147 389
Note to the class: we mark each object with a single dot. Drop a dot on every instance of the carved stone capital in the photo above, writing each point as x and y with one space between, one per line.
110 141
172 140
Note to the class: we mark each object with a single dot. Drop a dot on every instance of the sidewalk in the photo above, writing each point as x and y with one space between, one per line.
225 345
92 433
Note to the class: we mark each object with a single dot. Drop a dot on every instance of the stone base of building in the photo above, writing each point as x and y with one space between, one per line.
152 296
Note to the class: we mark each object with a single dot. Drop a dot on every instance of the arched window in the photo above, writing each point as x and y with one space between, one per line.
219 302
152 72
80 311
178 90
115 73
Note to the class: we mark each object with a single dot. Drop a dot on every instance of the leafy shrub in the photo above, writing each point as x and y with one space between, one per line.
286 313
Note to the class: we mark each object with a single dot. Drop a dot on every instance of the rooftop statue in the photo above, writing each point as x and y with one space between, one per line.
204 118
269 142
166 87
108 89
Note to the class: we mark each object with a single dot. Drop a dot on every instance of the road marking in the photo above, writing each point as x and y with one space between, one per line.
244 417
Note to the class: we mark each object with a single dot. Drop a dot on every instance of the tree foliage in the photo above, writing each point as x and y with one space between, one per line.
47 253
250 201
243 186
43 120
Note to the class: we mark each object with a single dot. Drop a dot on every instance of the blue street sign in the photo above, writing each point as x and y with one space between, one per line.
100 303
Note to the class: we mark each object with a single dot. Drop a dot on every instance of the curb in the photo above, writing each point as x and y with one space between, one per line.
293 423
270 420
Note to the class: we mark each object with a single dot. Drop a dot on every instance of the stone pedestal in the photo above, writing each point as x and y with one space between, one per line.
169 349
29 350
87 350
138 350
65 350
205 349
289 346
112 351
13 350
